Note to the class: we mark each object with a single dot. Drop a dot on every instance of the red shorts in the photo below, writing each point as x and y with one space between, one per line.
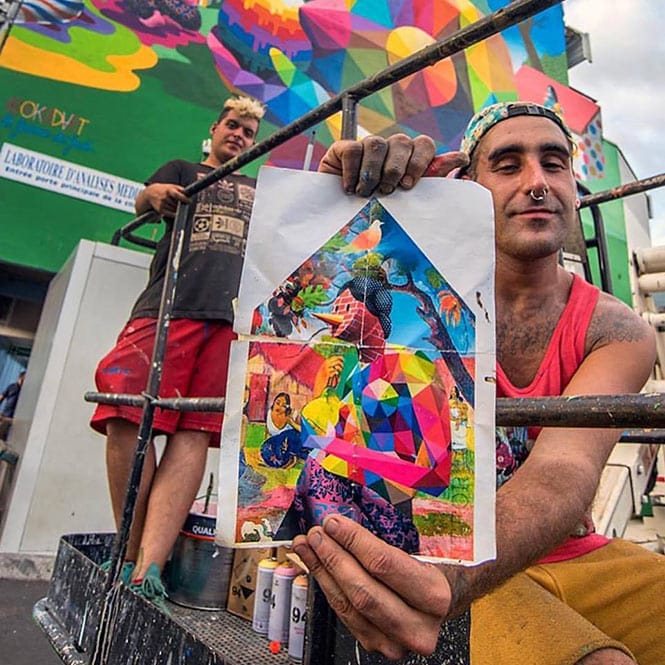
195 365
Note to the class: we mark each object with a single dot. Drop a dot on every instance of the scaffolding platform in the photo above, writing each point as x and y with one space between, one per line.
141 633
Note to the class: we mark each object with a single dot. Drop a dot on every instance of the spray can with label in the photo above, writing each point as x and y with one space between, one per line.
263 595
298 619
278 628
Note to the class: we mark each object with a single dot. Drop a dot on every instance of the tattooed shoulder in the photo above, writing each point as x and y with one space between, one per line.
615 322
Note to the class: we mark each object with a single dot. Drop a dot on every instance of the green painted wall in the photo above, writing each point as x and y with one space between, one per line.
126 134
614 224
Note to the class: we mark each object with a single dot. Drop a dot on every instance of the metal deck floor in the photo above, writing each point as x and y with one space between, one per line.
139 633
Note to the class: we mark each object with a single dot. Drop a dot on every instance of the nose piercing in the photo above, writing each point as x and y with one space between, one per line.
538 195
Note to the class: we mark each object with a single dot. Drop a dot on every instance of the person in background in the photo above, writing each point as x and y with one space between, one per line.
8 399
196 360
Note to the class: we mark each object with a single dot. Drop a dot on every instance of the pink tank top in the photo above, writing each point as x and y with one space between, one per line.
564 355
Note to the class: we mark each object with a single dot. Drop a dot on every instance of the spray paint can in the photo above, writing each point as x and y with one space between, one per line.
298 621
282 581
263 595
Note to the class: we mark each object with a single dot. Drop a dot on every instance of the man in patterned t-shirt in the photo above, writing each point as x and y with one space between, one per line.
200 332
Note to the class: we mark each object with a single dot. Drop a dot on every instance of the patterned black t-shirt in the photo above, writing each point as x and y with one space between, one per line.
214 246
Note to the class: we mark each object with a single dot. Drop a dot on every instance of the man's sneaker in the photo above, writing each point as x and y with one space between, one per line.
151 587
125 573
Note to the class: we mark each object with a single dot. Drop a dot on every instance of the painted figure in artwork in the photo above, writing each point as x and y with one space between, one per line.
282 448
459 418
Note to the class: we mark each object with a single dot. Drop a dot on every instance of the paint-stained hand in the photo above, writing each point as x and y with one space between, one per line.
391 602
162 197
382 165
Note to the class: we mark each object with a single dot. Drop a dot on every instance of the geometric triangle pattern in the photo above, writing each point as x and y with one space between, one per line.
334 44
393 427
351 286
360 386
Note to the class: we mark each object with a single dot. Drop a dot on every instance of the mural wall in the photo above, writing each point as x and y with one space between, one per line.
95 94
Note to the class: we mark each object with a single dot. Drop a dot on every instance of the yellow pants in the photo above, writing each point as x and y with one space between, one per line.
557 613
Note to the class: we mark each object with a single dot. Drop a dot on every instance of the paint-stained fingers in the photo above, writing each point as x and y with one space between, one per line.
422 153
360 594
374 152
360 163
395 163
370 637
343 158
378 164
442 165
422 586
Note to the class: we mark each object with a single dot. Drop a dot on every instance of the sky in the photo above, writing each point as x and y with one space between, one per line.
627 79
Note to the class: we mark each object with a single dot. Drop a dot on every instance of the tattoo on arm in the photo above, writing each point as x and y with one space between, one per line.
616 324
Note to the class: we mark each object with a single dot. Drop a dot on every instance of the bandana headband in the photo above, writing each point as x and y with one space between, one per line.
486 118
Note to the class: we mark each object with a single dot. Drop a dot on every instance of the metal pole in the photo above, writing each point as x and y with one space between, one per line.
10 18
654 436
609 411
643 410
599 242
126 231
635 187
205 404
145 428
349 118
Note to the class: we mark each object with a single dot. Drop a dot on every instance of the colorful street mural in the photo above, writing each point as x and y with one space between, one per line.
291 55
88 81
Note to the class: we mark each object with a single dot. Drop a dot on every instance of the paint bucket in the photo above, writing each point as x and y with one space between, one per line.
199 571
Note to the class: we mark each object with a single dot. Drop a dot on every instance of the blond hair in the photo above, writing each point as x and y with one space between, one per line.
245 107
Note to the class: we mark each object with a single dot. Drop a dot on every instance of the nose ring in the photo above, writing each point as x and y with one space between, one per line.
538 195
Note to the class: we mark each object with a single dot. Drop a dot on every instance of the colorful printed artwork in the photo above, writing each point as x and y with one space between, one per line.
361 370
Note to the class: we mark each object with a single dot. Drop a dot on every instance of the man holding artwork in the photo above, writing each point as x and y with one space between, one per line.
556 592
